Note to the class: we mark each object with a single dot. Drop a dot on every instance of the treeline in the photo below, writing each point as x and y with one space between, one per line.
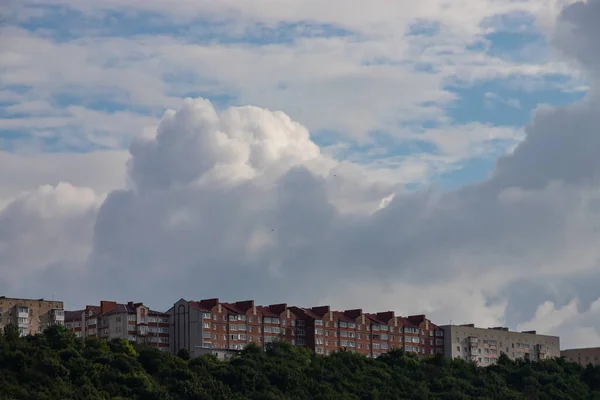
57 365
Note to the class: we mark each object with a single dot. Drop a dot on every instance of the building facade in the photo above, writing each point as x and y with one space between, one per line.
211 324
227 327
368 334
31 316
131 321
484 346
584 356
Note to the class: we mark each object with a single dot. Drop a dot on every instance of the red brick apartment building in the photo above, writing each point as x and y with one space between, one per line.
110 320
210 326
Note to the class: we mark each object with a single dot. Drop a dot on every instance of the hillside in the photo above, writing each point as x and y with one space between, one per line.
57 365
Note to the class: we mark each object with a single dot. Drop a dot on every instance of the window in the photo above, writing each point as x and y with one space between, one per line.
214 317
207 325
206 335
301 332
351 325
206 315
439 332
131 317
358 336
267 320
276 329
267 329
344 334
249 320
343 324
301 322
118 319
439 342
301 342
318 322
458 348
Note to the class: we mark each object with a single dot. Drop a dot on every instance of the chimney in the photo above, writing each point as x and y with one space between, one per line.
106 306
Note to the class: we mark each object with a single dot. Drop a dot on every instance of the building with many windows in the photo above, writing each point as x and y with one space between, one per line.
225 328
210 326
369 334
110 320
31 316
484 346
583 356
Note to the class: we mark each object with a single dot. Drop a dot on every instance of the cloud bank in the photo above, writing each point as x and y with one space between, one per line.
241 203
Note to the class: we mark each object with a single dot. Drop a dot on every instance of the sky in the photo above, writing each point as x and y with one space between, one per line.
432 157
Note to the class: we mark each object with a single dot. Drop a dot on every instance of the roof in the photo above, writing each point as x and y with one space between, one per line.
374 318
342 317
266 312
407 322
72 315
196 304
233 308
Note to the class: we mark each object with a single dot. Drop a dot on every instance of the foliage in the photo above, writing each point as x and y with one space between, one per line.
57 365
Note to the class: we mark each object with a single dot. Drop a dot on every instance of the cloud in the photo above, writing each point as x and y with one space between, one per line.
240 202
46 232
102 171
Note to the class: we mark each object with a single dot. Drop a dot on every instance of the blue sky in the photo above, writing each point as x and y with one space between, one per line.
136 41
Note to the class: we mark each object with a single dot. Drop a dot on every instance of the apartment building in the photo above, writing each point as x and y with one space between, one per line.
202 326
583 356
135 322
368 334
224 329
31 316
484 346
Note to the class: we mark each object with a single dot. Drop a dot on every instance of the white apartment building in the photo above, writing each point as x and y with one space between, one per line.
484 346
132 321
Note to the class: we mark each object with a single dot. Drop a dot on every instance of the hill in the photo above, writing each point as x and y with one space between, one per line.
57 365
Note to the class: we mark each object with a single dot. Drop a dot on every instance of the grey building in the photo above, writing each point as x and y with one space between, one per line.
583 356
484 345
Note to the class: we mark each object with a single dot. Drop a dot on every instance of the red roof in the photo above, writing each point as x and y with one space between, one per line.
266 312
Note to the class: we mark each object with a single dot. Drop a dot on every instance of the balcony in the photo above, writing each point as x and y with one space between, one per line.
23 313
142 330
57 314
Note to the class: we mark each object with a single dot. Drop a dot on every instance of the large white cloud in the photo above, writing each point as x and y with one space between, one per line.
242 204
